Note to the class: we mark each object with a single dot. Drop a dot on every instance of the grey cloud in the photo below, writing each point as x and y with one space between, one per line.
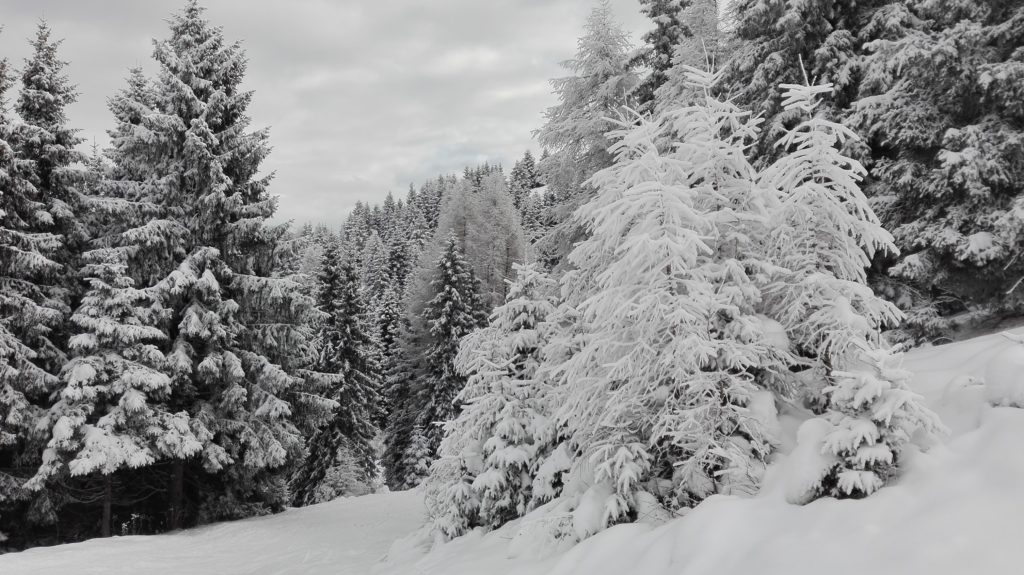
362 97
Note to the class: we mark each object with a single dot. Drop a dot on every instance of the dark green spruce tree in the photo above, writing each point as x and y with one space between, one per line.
345 353
50 144
237 325
941 107
669 30
27 313
456 309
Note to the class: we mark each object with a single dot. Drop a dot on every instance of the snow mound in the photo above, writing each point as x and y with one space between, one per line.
1004 377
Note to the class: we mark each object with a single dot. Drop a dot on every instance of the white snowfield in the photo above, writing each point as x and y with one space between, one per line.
956 510
345 536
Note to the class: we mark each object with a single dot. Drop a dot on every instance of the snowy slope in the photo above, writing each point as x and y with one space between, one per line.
956 510
343 537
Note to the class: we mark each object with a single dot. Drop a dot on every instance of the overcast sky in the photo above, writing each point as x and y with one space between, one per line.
362 96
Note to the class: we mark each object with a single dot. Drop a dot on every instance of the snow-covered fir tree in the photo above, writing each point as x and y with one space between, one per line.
416 458
407 369
390 320
778 39
659 393
343 479
575 131
356 231
237 329
522 180
491 451
402 245
455 310
375 268
939 105
50 143
27 313
672 26
110 414
824 234
706 46
345 352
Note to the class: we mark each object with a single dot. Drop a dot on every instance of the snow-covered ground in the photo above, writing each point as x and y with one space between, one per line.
343 537
957 509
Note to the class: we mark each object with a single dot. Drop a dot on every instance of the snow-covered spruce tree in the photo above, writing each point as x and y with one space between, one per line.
824 234
110 413
777 38
672 26
26 314
576 130
388 215
486 227
237 328
455 310
50 144
533 218
940 106
406 372
706 45
416 458
430 198
494 238
402 245
355 232
344 350
390 323
343 478
522 180
493 446
126 229
453 504
375 270
658 394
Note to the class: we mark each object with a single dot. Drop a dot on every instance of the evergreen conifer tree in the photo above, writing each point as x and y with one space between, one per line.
667 290
522 180
111 414
375 271
344 351
455 310
238 328
416 458
779 39
407 369
27 313
671 28
493 448
576 130
939 105
824 234
51 145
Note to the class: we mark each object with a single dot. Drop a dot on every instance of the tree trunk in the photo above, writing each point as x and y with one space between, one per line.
177 495
107 496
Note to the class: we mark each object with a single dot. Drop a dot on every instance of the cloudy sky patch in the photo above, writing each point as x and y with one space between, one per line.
362 97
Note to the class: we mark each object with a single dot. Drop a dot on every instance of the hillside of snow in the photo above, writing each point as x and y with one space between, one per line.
957 509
